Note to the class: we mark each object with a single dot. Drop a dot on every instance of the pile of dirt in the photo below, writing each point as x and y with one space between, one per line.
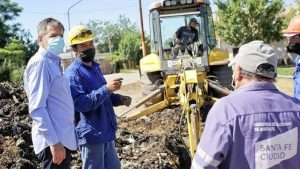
153 141
16 149
150 142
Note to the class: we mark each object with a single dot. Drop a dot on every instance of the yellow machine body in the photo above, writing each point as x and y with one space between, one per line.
186 86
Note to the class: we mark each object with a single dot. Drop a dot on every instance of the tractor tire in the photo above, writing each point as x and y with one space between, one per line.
149 84
223 75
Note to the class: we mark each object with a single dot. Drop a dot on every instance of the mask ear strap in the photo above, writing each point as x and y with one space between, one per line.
232 81
233 67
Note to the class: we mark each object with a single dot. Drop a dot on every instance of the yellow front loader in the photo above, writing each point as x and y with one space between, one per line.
193 81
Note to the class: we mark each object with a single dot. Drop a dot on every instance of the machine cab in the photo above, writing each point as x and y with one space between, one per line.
167 17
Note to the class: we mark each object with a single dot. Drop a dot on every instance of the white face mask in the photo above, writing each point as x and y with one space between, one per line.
56 45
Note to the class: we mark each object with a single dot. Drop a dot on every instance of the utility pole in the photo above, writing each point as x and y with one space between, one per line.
142 30
109 42
72 56
69 13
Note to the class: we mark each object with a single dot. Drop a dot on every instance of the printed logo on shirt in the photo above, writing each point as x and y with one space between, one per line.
274 150
269 126
187 37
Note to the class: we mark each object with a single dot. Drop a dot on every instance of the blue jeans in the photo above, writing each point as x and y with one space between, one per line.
99 156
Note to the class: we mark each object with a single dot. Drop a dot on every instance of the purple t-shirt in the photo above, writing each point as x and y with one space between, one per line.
254 127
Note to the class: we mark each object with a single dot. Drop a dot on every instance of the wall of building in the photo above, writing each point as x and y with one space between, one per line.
105 66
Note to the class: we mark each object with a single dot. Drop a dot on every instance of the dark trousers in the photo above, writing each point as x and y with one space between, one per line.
182 48
45 157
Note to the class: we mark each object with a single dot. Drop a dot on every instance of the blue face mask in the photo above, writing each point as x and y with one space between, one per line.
56 45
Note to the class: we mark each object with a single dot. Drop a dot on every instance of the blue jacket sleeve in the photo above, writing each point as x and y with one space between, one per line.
116 99
38 83
86 102
296 60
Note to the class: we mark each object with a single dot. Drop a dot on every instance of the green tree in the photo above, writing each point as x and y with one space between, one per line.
12 60
16 46
121 39
108 34
31 46
241 21
289 13
14 51
129 45
8 11
288 16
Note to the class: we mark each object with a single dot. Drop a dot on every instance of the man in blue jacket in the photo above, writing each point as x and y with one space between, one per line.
293 35
94 99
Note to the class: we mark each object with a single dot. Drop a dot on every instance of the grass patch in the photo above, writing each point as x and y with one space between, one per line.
128 70
285 85
285 71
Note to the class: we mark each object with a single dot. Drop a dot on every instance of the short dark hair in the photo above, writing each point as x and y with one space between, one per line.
193 20
42 26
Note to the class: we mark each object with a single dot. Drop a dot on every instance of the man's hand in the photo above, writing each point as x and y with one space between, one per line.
114 85
58 152
126 100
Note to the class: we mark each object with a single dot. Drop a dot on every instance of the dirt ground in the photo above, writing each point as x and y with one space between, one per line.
153 141
149 142
134 91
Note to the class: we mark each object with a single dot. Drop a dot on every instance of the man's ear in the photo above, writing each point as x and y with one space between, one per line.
74 48
40 40
238 73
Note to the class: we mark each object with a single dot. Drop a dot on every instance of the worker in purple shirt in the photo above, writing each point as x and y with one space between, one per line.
256 126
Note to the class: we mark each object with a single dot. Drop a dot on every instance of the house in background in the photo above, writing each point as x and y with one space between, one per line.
105 66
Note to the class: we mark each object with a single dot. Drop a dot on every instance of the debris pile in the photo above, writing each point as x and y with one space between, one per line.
16 149
153 142
146 143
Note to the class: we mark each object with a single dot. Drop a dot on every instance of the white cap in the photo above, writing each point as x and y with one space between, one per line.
254 54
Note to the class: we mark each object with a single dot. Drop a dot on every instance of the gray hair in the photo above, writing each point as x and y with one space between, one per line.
43 25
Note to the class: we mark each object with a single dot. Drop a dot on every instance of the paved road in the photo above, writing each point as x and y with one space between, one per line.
130 87
129 78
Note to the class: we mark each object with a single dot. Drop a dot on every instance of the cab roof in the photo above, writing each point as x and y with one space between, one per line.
175 4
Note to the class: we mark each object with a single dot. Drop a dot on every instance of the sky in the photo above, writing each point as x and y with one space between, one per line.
105 10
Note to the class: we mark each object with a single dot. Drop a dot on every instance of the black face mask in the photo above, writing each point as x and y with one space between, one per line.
88 55
293 48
